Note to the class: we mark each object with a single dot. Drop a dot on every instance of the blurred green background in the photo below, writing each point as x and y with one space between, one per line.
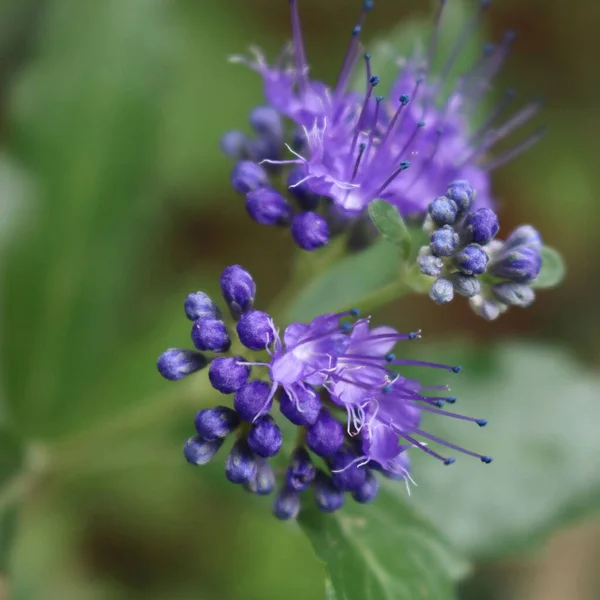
115 202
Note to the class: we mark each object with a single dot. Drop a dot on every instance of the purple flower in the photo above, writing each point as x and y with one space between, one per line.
336 379
354 147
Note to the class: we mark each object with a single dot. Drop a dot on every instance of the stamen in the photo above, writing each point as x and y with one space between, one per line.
405 164
420 363
351 53
299 52
494 114
462 40
480 422
442 442
372 81
361 150
516 150
433 40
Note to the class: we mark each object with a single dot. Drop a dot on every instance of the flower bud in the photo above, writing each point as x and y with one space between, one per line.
176 363
238 289
461 193
301 471
252 400
247 176
263 482
226 374
326 435
234 144
199 306
307 199
443 211
198 451
310 231
430 265
255 330
521 264
328 497
211 335
286 505
442 291
345 472
524 235
265 437
465 285
268 207
482 225
241 465
368 490
217 422
306 411
266 121
444 241
514 294
471 260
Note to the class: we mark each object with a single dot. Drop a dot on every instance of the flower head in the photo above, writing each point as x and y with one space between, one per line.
351 147
335 379
464 257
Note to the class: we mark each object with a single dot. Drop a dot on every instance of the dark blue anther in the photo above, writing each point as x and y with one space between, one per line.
346 327
439 403
379 99
355 312
367 54
404 99
421 124
481 422
374 80
368 5
386 389
456 369
449 461
451 399
405 164
413 335
390 357
356 30
486 459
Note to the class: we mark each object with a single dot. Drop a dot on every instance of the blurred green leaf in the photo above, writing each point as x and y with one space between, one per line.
85 119
349 280
382 551
11 464
543 412
390 224
553 269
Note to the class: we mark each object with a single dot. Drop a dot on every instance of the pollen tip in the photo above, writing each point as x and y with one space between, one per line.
456 369
386 389
368 5
486 459
362 146
378 99
451 399
356 30
355 312
374 80
390 357
404 165
346 327
404 99
449 461
439 403
367 56
421 124
481 422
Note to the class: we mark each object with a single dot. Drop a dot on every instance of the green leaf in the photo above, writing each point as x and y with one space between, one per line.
346 283
543 412
85 119
384 551
390 224
553 269
11 464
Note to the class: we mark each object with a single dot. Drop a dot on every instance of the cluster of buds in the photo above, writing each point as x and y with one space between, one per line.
463 256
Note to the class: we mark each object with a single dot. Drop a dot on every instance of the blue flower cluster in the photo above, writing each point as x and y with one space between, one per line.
346 148
464 258
335 379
